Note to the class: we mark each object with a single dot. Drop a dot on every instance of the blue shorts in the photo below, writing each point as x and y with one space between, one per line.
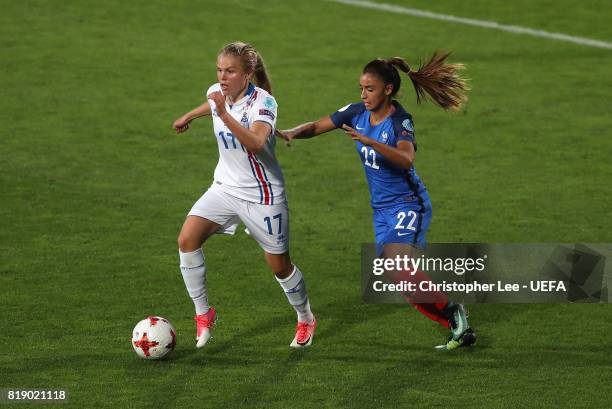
405 223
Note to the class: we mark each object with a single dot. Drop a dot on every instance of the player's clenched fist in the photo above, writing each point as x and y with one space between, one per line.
219 99
181 125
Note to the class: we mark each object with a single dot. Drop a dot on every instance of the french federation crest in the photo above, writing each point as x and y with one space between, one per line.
384 136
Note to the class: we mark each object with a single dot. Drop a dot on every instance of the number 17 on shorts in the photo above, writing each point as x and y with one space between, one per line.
269 225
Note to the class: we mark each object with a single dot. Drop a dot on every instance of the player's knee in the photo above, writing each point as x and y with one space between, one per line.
187 242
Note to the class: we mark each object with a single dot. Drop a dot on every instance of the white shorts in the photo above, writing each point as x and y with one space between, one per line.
268 224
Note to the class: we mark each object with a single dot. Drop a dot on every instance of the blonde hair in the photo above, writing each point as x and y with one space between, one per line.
252 62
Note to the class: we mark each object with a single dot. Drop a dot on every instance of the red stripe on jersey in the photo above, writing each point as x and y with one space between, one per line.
251 100
260 178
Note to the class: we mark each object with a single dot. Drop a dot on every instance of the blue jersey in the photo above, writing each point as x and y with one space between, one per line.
389 184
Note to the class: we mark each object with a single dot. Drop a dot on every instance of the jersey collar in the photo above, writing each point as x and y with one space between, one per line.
247 95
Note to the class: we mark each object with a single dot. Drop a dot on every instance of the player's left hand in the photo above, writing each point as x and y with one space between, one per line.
356 136
219 99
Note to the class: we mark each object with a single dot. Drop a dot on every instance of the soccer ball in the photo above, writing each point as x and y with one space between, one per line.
153 338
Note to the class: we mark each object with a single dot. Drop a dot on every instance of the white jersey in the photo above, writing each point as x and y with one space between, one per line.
253 177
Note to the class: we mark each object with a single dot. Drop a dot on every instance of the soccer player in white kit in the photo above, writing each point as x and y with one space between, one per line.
248 186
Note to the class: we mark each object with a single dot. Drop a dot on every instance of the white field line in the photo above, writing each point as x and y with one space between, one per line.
478 23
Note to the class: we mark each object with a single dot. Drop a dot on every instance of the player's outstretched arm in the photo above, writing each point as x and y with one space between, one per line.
307 130
182 124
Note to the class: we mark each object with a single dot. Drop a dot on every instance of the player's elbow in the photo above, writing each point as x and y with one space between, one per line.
256 143
257 146
314 129
407 162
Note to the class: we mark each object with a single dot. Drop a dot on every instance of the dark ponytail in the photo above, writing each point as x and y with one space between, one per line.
436 80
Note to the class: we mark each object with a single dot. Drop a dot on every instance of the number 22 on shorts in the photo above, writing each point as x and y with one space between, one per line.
402 216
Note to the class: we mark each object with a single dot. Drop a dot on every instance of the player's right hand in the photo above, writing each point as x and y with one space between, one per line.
181 125
286 135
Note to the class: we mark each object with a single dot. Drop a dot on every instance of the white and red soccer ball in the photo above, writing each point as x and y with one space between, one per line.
153 338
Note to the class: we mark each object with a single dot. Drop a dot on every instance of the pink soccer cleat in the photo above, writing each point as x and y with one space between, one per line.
204 323
304 332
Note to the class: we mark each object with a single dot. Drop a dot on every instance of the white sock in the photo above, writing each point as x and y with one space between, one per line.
194 275
295 290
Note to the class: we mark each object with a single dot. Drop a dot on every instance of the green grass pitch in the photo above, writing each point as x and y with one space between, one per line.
95 186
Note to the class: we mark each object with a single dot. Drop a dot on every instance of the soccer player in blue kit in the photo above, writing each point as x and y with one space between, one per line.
384 136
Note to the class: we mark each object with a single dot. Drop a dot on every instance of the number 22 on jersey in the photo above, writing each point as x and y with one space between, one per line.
369 152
